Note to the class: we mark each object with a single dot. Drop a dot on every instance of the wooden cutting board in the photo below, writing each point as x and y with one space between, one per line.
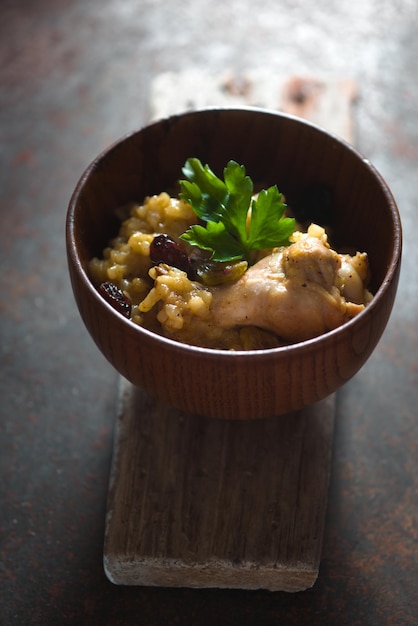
199 502
325 101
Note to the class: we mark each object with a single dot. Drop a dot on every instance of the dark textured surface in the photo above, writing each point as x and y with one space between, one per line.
74 77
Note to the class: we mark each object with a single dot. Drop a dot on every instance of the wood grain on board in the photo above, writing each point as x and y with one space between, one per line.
202 502
325 101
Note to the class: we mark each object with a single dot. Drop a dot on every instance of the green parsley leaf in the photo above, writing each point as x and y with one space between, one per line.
215 238
234 224
268 227
203 190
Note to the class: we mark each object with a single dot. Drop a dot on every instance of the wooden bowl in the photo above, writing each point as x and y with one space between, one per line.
276 149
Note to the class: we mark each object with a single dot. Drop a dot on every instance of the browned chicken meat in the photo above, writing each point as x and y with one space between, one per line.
292 293
295 293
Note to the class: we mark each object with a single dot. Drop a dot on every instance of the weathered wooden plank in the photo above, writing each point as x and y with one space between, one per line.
202 502
326 101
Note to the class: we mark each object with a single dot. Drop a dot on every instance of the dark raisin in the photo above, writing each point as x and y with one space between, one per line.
163 249
116 298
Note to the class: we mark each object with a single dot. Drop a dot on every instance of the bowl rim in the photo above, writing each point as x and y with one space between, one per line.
216 353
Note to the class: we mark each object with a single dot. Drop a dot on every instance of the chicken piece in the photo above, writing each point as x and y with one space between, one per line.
353 275
291 293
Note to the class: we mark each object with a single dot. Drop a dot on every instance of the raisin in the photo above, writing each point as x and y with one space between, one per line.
163 249
116 298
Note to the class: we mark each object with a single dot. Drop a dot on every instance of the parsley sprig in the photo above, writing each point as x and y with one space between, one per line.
233 222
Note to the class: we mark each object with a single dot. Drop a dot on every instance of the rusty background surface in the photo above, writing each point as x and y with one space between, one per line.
75 76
